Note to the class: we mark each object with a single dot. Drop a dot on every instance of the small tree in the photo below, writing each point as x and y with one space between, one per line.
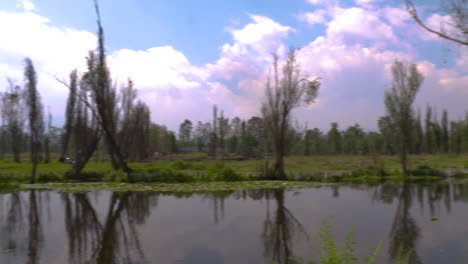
283 94
13 112
398 102
36 118
185 132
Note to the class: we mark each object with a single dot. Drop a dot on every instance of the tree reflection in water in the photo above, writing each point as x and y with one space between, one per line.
280 229
404 232
115 239
21 230
107 231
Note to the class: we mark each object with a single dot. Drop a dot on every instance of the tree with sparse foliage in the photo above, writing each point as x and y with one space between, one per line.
334 139
36 117
104 96
398 102
445 131
284 93
455 28
86 128
47 137
185 131
69 112
428 130
13 114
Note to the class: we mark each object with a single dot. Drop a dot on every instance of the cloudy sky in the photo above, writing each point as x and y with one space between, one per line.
185 56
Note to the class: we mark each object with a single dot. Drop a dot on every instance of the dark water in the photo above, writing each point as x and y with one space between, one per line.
233 227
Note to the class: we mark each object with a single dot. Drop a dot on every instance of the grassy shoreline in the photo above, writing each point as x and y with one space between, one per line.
230 175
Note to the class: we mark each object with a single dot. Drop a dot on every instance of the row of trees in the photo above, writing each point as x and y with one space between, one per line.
99 116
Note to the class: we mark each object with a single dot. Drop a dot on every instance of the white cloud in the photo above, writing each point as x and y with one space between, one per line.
396 16
158 67
316 2
27 5
251 49
358 22
354 76
316 17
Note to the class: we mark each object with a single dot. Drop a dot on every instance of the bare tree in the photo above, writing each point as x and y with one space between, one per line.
223 126
36 117
47 136
126 136
213 145
70 112
14 115
105 101
86 128
140 131
284 93
456 29
398 102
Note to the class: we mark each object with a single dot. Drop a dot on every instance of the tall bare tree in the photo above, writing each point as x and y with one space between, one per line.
128 96
70 112
398 102
141 120
13 113
104 96
283 94
36 116
86 128
47 137
213 145
456 29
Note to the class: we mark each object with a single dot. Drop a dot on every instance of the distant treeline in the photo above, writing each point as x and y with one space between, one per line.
248 138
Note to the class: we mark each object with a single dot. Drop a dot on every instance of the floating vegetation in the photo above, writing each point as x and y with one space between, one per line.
170 187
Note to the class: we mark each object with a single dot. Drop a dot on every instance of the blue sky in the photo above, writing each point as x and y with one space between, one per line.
185 56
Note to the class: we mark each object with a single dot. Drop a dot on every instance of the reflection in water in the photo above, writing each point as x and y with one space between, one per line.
114 240
279 230
21 231
404 232
103 227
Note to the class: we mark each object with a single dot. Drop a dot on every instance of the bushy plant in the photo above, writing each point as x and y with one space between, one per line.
228 174
115 176
13 178
85 176
50 177
180 165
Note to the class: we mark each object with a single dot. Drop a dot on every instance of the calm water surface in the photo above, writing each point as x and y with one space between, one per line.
233 227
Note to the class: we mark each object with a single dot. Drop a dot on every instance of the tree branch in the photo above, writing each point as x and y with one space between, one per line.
412 11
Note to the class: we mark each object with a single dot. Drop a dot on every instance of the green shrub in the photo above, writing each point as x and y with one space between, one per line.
13 177
180 165
228 174
216 168
49 177
115 176
198 166
331 253
425 170
85 176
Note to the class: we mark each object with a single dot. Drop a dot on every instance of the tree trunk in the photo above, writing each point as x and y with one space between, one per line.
278 168
403 160
16 152
34 168
46 151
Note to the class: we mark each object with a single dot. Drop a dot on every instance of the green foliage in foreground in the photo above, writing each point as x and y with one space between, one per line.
170 187
332 253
